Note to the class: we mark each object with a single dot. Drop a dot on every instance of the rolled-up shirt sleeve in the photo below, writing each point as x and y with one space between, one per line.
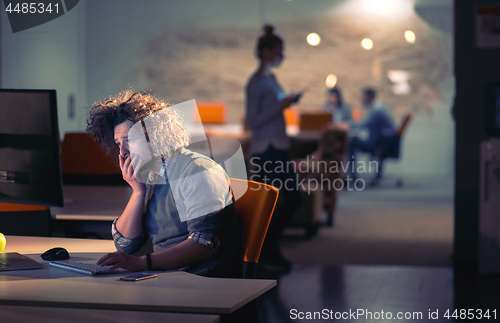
129 246
207 239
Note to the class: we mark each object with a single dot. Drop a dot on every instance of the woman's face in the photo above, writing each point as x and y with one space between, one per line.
121 138
273 56
333 99
131 140
137 142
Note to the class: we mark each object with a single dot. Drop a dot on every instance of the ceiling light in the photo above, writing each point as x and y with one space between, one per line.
331 81
410 36
367 43
313 39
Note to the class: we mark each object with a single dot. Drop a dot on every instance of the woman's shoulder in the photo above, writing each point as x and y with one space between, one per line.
197 169
189 161
259 80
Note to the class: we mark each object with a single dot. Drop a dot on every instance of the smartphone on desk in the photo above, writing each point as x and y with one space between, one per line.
137 277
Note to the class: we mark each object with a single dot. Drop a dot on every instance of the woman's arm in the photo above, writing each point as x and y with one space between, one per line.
188 252
287 101
129 224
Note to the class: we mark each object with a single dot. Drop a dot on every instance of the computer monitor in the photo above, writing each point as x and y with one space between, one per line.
30 162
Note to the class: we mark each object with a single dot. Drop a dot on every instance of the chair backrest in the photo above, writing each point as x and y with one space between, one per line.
406 119
81 154
82 159
25 220
10 207
255 209
291 116
391 147
314 121
211 112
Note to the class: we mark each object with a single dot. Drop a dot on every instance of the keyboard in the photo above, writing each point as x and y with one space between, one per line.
83 268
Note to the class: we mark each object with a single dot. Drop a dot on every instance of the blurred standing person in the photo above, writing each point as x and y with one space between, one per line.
265 102
341 112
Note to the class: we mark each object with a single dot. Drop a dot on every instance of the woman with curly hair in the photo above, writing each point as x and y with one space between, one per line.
180 199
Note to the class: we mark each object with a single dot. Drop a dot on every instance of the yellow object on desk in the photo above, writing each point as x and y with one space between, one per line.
3 242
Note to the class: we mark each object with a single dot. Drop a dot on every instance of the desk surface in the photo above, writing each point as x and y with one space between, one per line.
38 245
171 291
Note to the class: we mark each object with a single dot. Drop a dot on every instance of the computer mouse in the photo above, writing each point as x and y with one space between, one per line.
55 254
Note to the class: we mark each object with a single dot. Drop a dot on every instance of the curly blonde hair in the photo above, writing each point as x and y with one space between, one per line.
161 122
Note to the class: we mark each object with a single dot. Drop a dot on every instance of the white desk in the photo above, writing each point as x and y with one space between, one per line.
38 245
173 291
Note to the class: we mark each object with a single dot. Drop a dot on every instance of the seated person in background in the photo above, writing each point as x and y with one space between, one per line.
341 112
180 199
377 121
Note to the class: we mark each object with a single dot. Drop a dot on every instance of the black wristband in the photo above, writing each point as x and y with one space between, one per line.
148 259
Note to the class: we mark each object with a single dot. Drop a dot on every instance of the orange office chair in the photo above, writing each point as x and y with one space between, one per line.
314 120
10 207
292 116
211 112
25 220
391 148
404 124
83 162
255 209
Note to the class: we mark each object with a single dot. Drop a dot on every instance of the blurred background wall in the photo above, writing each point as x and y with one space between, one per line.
204 50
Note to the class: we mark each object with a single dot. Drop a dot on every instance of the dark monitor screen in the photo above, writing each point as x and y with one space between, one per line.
30 163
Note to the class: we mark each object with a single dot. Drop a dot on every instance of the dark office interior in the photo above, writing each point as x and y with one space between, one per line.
424 240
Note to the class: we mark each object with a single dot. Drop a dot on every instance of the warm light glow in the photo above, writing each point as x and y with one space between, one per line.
400 79
313 39
331 80
410 36
388 9
367 43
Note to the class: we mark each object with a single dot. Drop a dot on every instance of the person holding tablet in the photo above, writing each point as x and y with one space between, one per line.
265 102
